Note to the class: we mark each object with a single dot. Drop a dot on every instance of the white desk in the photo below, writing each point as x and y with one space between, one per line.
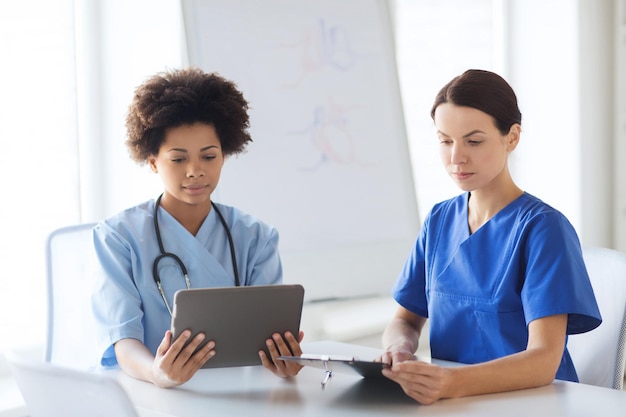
253 391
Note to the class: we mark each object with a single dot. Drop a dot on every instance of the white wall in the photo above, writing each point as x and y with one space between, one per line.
596 120
619 148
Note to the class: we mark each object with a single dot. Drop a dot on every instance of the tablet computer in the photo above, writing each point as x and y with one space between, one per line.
339 363
238 319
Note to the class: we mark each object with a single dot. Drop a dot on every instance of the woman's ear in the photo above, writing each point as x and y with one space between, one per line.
512 138
152 163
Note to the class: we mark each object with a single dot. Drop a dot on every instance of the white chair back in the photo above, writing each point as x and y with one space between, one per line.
599 354
71 265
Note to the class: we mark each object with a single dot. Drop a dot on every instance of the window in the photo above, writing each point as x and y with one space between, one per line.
38 157
50 176
435 41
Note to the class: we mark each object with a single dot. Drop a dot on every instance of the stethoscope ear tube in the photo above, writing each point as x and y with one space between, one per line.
230 243
180 263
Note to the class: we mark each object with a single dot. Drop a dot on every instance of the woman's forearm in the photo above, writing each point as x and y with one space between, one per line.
135 359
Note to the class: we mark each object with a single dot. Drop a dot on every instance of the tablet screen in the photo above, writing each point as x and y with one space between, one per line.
238 319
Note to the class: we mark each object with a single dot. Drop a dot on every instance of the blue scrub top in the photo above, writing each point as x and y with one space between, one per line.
126 302
480 291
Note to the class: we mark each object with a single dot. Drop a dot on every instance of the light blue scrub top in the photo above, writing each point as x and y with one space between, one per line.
126 302
480 291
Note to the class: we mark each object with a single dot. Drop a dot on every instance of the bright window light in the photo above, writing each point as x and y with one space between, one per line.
38 157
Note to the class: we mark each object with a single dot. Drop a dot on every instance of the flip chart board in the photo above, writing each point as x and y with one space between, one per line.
329 165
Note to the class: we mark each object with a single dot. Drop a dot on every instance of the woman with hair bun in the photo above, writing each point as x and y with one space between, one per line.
498 273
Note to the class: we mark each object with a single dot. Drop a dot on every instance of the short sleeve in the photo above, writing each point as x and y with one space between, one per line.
410 288
116 303
556 279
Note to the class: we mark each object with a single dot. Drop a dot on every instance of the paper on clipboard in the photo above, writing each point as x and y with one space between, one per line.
340 363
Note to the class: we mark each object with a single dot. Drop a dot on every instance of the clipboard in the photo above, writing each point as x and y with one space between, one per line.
340 363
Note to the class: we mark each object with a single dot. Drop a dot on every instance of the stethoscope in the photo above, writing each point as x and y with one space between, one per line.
155 265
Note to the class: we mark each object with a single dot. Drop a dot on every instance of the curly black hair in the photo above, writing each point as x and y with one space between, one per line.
182 97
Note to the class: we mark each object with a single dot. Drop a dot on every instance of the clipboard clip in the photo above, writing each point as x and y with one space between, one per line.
328 373
326 361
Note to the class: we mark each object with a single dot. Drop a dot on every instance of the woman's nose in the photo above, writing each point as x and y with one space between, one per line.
194 170
458 155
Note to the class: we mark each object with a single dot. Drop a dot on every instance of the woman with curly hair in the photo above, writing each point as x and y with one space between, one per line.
182 124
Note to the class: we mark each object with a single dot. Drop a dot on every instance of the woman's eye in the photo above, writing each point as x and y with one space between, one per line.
475 142
209 157
177 160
